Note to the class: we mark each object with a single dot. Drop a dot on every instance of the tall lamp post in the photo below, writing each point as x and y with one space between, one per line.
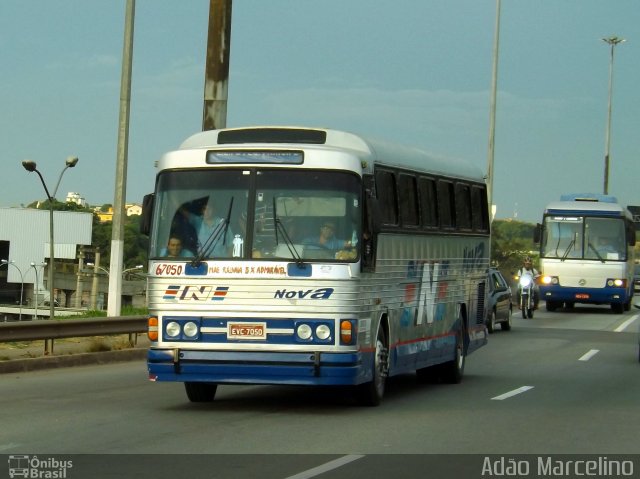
12 263
492 112
97 268
31 166
35 268
612 41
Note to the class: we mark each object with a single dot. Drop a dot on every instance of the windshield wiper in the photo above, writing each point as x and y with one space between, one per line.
596 251
571 244
212 241
278 226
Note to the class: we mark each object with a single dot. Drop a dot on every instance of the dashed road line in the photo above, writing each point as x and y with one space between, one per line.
624 325
329 466
588 355
515 392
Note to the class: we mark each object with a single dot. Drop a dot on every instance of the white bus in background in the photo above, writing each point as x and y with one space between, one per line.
586 252
263 300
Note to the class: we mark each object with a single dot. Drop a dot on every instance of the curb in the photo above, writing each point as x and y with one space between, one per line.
70 360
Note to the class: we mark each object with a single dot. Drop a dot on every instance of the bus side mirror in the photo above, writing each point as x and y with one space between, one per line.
537 233
369 227
147 213
368 252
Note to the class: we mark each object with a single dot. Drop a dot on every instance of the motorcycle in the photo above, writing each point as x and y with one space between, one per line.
526 292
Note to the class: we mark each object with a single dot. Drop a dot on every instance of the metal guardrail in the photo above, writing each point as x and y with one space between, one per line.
48 330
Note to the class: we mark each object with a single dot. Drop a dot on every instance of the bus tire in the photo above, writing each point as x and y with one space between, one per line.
200 392
552 306
451 372
618 308
371 393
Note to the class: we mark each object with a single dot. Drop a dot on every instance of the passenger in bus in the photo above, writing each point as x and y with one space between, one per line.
326 238
606 247
205 225
174 248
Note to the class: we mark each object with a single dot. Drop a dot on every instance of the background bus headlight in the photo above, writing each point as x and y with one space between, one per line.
172 329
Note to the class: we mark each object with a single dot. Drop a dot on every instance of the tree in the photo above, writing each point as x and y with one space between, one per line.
511 241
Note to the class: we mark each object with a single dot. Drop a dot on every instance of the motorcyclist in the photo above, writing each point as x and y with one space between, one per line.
528 269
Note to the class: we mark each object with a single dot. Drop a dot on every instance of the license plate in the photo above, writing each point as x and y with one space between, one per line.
246 331
582 296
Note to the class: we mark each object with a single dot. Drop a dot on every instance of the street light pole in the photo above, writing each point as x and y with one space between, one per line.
33 265
4 261
492 112
97 268
612 41
31 166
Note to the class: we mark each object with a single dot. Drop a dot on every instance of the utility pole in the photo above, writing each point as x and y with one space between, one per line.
612 41
216 81
492 112
117 232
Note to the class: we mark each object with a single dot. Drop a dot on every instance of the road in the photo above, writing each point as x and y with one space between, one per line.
560 383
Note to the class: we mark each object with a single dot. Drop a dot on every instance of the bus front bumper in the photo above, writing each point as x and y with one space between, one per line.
225 367
607 295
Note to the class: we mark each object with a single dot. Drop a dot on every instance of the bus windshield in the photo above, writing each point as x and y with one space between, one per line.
577 237
257 213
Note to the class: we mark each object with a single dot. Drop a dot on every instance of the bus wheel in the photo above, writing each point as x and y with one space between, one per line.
370 394
552 306
452 371
200 392
617 308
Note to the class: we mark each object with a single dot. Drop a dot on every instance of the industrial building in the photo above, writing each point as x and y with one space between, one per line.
24 256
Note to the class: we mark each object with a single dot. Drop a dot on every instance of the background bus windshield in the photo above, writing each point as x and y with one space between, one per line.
571 237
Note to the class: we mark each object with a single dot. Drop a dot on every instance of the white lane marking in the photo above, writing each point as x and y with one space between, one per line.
512 393
624 325
589 355
336 463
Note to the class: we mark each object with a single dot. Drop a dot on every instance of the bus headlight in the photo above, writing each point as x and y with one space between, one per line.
304 331
323 332
172 329
190 329
550 280
618 283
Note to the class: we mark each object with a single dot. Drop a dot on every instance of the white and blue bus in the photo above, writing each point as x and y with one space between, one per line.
586 252
331 261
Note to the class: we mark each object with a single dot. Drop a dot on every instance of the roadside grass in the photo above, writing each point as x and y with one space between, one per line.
34 349
96 313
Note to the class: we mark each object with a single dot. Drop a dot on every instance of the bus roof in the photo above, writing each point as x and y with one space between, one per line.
586 208
369 150
589 197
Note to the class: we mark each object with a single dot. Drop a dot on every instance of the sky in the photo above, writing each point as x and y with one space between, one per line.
416 72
